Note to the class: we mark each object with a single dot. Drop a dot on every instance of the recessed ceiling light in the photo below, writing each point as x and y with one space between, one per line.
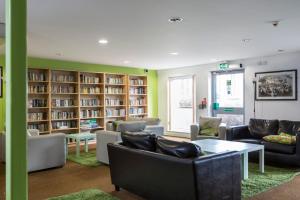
174 53
280 50
103 41
175 19
126 61
246 40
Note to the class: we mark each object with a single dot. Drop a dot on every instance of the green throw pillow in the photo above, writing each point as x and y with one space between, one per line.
282 138
208 132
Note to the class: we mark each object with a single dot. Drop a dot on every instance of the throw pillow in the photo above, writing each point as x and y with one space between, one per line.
177 149
289 135
209 132
281 139
139 140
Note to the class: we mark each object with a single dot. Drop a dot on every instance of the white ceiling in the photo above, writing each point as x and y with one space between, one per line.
139 31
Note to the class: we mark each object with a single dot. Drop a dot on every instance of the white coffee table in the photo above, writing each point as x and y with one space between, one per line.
80 137
219 146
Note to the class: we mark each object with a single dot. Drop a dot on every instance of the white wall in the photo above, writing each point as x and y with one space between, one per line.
289 110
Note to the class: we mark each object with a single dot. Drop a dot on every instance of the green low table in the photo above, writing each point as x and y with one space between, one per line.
78 137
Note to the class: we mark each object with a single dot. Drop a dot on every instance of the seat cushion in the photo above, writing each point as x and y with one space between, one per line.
259 128
141 141
279 148
177 149
251 141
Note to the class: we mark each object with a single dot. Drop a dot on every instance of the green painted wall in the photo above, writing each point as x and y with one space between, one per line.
69 65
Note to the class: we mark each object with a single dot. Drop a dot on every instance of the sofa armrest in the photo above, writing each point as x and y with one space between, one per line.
156 129
237 132
298 143
222 131
195 128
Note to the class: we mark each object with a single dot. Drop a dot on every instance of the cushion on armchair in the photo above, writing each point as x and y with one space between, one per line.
259 128
209 126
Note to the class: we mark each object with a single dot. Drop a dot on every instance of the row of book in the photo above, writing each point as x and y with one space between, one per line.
63 114
136 111
63 102
113 102
139 90
137 101
63 89
89 79
137 82
36 76
88 124
63 78
115 112
114 80
90 102
37 116
90 90
114 90
40 127
33 103
90 113
64 124
37 88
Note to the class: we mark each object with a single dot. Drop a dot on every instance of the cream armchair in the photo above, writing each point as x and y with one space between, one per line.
208 128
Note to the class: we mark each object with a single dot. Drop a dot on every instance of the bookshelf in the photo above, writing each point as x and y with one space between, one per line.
137 96
73 101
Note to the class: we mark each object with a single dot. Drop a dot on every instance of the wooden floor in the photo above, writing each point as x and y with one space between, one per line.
73 177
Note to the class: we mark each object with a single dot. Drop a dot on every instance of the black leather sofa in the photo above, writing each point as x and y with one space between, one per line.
156 176
275 153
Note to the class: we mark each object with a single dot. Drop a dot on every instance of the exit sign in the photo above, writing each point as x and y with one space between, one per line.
223 66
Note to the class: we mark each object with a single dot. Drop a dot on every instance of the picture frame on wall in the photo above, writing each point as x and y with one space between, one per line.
276 86
1 82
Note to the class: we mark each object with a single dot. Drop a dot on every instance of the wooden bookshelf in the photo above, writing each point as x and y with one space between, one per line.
73 101
137 96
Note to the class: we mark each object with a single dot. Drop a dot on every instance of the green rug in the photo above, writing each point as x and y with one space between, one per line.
91 194
87 159
272 177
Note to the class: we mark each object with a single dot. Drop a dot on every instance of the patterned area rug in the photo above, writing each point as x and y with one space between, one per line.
91 194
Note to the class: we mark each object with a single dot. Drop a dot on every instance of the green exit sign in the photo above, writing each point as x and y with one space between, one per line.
223 66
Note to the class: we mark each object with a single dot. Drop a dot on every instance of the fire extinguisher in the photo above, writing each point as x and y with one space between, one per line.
203 103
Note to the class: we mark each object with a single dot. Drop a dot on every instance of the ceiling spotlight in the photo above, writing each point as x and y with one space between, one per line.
103 41
246 40
280 50
174 53
175 19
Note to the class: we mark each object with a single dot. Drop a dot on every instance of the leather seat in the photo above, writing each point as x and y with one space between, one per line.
279 148
251 141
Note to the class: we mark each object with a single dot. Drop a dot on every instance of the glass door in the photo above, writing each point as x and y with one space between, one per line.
181 104
228 96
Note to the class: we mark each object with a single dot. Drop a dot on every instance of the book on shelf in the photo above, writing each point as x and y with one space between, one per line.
114 90
90 102
37 116
137 101
63 78
62 115
89 79
87 113
63 102
40 127
89 124
37 76
114 102
64 124
137 82
37 88
33 103
139 90
114 80
60 89
90 90
136 111
115 112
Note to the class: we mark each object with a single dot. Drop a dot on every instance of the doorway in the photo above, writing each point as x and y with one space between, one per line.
228 96
181 104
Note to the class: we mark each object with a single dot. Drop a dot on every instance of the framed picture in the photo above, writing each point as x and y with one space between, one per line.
1 82
276 85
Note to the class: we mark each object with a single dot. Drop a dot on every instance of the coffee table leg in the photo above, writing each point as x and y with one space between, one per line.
86 145
77 147
245 166
262 161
